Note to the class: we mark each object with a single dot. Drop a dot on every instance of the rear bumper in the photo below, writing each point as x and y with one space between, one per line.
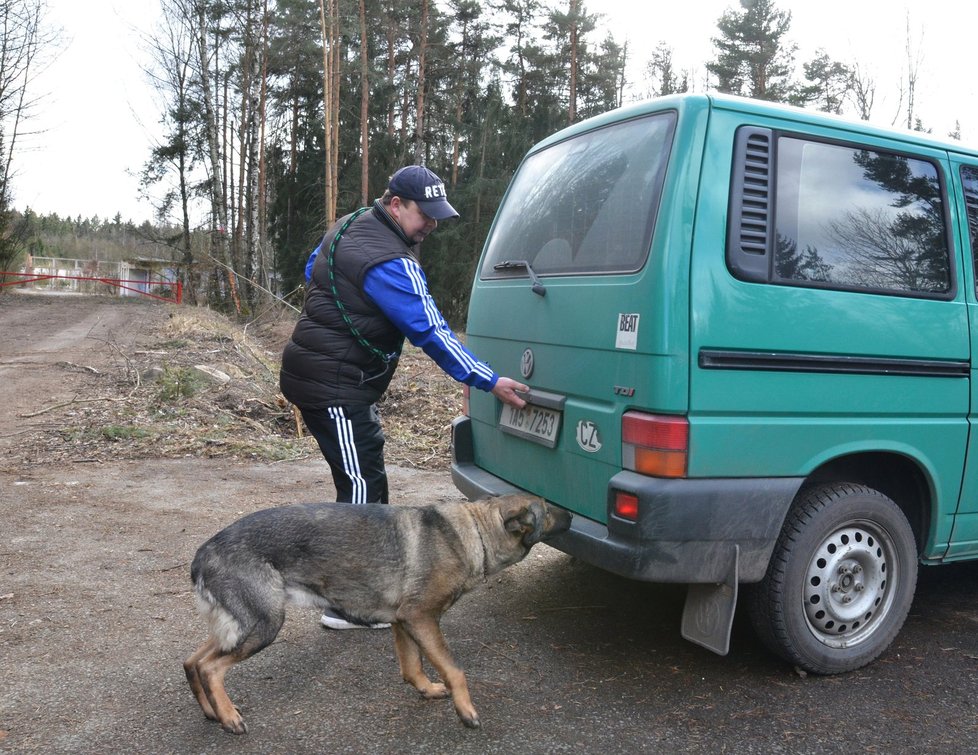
688 530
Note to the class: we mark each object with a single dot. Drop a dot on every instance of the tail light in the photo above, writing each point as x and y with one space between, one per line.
626 506
465 400
654 444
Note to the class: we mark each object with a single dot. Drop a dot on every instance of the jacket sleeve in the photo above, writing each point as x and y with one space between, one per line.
312 260
400 289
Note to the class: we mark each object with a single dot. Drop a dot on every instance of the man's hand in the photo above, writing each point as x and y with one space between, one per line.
505 390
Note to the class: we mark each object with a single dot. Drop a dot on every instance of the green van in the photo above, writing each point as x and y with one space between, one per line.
748 331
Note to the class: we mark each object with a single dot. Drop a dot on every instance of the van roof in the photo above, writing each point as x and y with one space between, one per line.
715 100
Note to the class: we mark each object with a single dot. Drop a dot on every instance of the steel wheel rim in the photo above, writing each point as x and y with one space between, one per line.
850 583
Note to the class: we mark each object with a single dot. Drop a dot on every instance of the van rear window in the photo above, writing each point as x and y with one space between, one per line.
584 205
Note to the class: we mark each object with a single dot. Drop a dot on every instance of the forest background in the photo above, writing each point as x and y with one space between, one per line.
279 115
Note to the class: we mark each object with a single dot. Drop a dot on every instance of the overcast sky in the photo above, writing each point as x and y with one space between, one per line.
95 127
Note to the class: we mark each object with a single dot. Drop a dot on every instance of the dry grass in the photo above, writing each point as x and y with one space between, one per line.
156 404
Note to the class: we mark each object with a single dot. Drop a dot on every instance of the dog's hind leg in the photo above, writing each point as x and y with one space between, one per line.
193 676
409 659
426 633
207 667
211 670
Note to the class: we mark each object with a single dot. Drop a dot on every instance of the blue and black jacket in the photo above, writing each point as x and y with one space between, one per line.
345 353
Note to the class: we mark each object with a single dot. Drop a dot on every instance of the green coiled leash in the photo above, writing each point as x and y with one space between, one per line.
385 358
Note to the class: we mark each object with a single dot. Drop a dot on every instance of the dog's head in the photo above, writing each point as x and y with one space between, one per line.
532 518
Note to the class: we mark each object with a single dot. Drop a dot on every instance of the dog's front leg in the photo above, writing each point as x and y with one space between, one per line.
409 659
426 634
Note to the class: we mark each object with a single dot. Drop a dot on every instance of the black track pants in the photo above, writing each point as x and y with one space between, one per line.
352 442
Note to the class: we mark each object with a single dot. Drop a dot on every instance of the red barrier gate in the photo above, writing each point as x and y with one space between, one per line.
127 285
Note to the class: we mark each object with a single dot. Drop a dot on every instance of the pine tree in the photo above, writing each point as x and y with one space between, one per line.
753 57
830 83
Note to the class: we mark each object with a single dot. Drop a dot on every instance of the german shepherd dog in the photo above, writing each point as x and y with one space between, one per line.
369 563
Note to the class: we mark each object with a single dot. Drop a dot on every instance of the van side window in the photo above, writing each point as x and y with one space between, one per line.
847 218
969 180
584 205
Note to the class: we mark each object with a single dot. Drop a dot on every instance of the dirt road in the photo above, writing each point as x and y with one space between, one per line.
96 615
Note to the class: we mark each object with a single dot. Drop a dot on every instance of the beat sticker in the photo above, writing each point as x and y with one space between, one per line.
627 337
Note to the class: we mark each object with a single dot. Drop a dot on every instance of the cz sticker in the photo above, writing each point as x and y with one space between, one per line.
588 436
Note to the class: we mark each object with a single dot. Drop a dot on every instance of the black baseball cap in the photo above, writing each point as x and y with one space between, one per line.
417 183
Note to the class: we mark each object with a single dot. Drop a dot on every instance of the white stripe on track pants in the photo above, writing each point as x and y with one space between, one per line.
352 443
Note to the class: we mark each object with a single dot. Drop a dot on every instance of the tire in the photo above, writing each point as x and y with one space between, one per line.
840 581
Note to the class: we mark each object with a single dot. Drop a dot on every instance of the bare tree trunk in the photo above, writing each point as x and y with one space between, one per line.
391 70
405 110
324 11
364 108
572 96
226 149
250 157
914 60
326 21
218 207
522 69
262 219
419 111
459 106
335 109
241 251
482 167
293 167
457 141
622 82
238 205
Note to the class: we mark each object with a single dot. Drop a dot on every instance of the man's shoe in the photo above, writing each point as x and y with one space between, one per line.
331 621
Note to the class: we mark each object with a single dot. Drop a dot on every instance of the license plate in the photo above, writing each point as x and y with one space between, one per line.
535 423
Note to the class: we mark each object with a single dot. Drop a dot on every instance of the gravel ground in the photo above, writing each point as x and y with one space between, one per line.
97 529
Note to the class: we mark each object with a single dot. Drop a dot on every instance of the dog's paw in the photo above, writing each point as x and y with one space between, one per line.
467 713
235 725
435 691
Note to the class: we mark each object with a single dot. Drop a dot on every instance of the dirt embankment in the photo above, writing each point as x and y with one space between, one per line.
89 379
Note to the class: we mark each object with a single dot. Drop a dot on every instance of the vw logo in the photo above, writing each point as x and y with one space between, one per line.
526 363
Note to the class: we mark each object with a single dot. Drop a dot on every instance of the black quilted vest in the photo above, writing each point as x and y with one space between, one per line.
324 363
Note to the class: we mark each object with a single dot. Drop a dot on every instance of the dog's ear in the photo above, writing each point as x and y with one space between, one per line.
529 520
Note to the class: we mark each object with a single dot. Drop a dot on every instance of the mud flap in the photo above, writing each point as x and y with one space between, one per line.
709 611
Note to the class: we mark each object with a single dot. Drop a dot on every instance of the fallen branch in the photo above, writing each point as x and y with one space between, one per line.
51 408
130 367
19 432
83 367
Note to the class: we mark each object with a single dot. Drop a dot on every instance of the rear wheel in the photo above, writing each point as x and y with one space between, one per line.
840 581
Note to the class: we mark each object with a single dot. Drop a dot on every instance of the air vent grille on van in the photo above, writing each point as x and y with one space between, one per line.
750 221
757 195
